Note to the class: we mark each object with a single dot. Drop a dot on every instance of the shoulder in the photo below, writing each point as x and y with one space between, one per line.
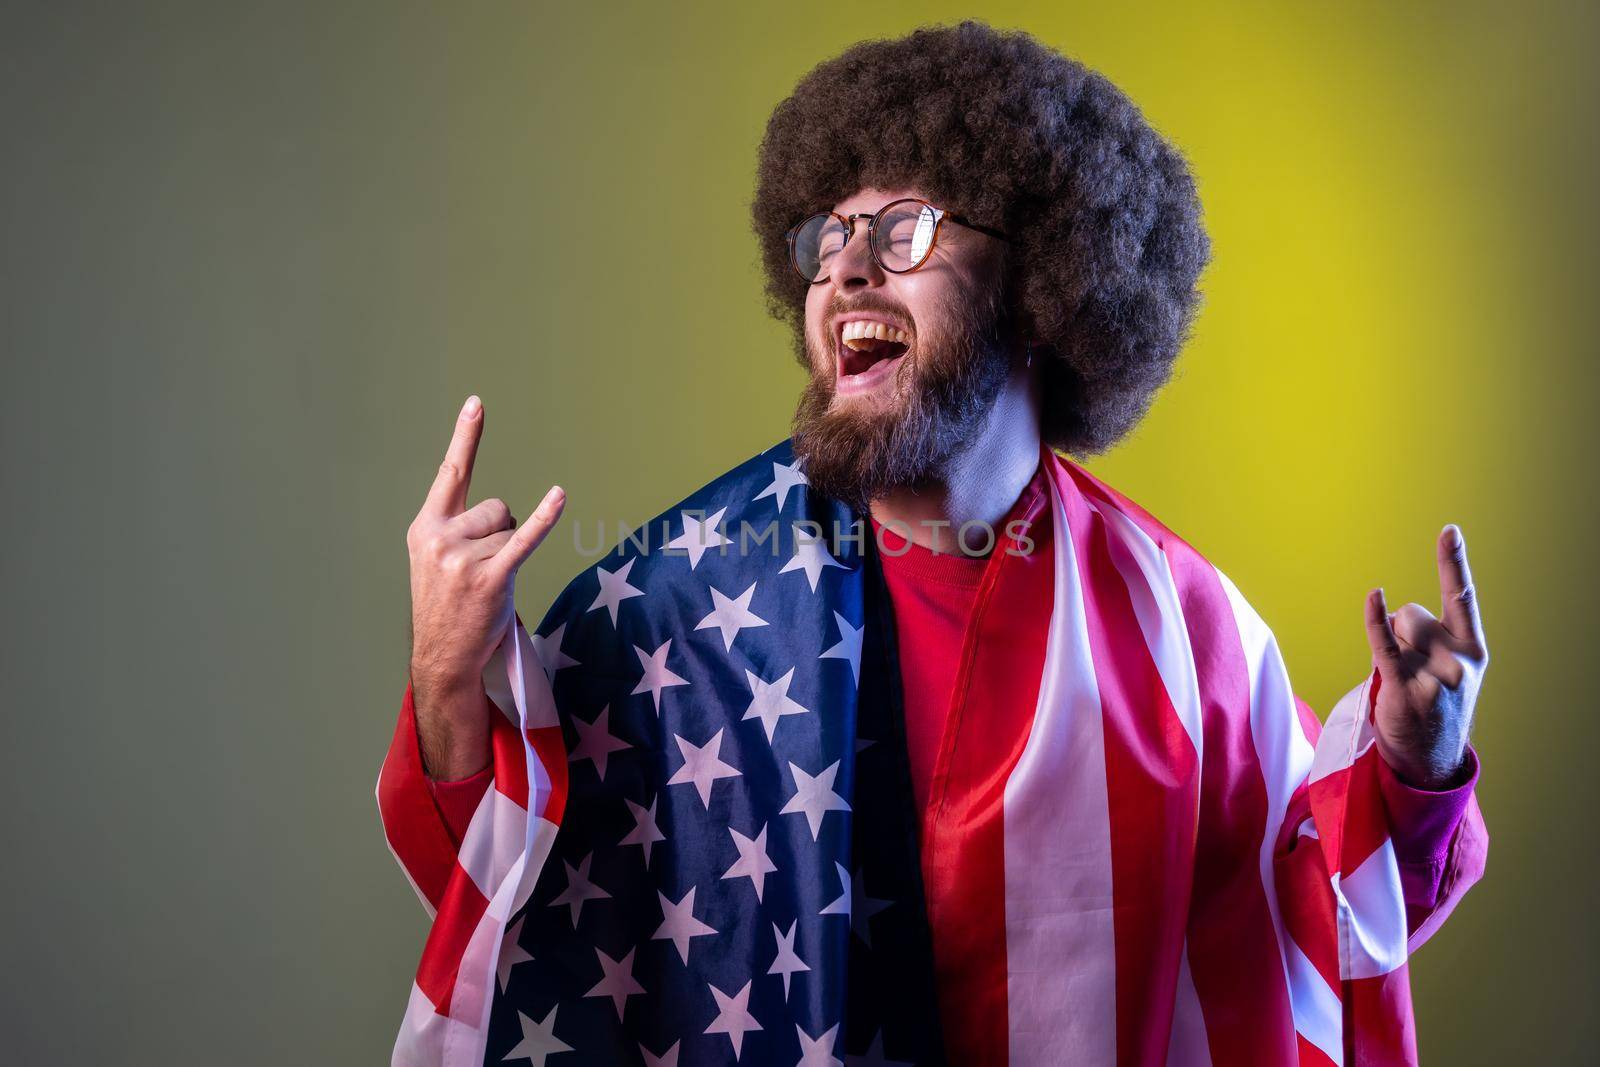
1210 602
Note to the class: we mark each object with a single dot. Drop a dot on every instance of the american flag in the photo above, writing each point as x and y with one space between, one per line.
700 845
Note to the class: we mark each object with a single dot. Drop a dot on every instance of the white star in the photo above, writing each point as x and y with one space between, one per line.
874 1056
788 962
849 646
814 796
595 741
511 954
733 1016
770 701
702 765
645 832
678 923
854 902
784 478
818 1051
668 1058
614 589
579 888
538 1040
811 556
548 649
617 981
731 615
753 862
699 535
656 675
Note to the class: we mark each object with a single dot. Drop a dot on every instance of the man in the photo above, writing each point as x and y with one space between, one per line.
1005 773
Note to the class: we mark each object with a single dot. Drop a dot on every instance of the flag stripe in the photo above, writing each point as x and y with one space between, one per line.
1058 849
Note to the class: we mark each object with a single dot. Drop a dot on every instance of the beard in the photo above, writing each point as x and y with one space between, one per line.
942 389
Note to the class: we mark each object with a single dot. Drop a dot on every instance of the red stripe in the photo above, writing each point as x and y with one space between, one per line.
1234 956
1311 1055
411 820
452 928
1378 1021
1150 784
992 706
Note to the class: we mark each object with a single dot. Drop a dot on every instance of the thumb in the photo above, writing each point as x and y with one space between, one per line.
1380 635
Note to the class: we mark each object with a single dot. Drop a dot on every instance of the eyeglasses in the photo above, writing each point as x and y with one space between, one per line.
900 236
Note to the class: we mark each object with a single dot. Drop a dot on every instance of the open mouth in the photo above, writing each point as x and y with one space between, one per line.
868 353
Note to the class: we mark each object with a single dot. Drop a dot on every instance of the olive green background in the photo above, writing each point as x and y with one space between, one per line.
254 256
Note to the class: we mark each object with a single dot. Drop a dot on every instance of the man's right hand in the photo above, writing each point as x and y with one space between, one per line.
463 575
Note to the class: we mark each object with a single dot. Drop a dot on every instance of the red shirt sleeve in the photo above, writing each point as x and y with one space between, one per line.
458 800
1422 827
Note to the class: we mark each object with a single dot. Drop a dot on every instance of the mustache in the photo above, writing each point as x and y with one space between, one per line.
870 303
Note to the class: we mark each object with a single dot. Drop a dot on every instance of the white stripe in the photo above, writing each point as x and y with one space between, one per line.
1281 749
1060 942
1155 602
1372 916
494 841
1188 1046
1317 1014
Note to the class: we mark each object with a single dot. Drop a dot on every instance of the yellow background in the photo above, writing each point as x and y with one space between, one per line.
254 257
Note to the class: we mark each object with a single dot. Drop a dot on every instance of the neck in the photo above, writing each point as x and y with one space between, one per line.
981 482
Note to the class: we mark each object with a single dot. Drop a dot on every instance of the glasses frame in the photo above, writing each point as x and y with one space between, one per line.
849 224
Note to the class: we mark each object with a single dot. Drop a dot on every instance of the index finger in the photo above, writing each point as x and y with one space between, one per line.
1460 596
448 494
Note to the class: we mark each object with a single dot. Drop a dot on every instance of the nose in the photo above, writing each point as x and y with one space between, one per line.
853 268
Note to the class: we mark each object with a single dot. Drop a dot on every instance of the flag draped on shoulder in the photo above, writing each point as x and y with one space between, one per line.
700 845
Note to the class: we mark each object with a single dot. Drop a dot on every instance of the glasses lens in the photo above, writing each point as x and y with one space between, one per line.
816 241
905 234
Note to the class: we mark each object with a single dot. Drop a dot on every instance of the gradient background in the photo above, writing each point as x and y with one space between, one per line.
253 258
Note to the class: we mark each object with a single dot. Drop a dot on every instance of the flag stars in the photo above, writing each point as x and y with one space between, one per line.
730 615
645 832
511 954
753 862
614 589
548 649
818 1051
854 902
656 675
770 701
702 765
595 741
679 925
784 478
848 646
788 962
668 1058
579 888
617 981
733 1016
699 535
811 556
538 1040
814 796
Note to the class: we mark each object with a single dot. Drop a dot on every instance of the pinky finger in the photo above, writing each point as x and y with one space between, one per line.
531 533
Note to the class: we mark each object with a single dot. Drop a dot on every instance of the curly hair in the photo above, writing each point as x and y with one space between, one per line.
1107 242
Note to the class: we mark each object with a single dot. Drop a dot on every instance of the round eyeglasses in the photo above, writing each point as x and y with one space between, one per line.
900 236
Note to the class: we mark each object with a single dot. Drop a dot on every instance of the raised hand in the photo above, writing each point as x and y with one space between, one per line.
463 576
1430 671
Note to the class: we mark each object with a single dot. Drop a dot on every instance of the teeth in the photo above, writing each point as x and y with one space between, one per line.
864 329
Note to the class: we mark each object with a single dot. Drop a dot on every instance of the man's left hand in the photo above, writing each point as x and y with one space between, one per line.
1430 671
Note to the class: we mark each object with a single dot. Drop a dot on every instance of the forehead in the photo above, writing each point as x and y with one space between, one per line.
868 200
